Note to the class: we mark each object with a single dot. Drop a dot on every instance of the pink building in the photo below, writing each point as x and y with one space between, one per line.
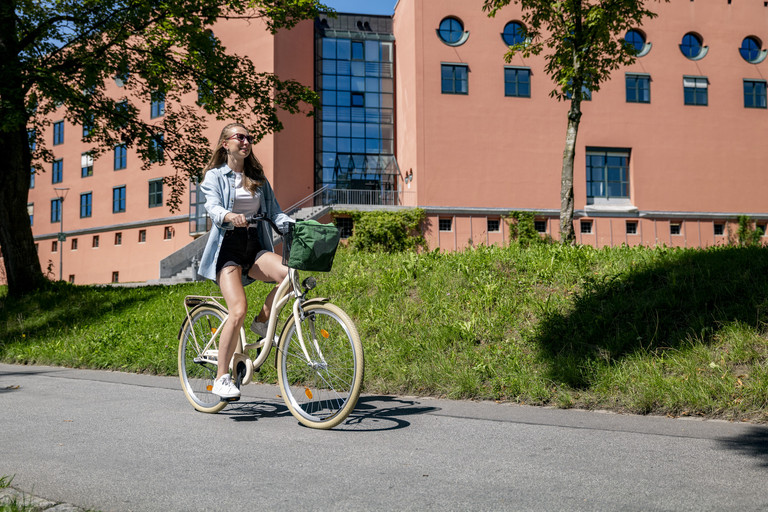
421 110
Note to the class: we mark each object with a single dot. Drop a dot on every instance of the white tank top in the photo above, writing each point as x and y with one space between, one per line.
245 203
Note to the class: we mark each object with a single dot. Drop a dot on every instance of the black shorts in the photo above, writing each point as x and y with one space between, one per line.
239 248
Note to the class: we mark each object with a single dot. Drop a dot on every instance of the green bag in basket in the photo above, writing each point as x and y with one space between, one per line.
310 245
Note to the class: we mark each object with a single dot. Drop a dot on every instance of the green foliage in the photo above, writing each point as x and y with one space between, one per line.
59 59
522 228
662 331
387 231
748 235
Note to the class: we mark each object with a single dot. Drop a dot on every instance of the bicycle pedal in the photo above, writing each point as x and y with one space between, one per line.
233 399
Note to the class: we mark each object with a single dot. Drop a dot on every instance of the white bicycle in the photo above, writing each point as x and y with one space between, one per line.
319 357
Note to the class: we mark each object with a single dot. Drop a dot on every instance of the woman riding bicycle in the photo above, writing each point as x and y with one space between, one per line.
235 254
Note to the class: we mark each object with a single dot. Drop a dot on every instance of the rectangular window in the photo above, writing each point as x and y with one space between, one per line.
168 233
719 229
32 178
57 171
540 226
55 246
762 229
695 90
142 236
586 227
118 238
445 224
454 78
157 107
118 199
74 244
631 227
754 94
115 277
638 88
86 205
517 82
675 228
58 133
31 212
157 152
86 165
87 127
95 242
607 174
121 157
493 225
155 193
358 50
72 278
55 210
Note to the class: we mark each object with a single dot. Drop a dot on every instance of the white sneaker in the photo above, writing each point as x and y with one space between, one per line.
225 388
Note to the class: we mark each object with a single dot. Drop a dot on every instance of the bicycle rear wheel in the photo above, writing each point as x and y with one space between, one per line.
321 392
198 353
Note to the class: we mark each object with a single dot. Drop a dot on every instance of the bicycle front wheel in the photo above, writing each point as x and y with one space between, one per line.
321 391
198 354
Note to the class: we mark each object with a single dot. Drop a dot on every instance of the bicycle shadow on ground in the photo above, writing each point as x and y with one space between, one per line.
371 414
753 443
683 295
376 413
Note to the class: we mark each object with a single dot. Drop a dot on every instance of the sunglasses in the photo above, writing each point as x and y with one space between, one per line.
241 137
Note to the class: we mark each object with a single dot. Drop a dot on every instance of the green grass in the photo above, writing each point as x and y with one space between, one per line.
652 331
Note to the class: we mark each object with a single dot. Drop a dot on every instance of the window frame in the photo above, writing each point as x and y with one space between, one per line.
157 105
453 79
607 184
58 133
120 157
119 199
637 87
517 35
155 198
56 205
690 90
755 95
57 171
516 83
86 205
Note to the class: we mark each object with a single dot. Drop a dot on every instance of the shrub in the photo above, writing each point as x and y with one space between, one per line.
387 231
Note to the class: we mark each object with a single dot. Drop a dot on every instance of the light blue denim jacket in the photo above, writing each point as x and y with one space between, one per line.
219 189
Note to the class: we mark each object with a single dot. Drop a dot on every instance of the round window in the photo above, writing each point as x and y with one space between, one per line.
750 49
514 33
691 46
635 40
451 31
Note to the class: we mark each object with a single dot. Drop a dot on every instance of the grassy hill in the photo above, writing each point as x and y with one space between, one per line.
658 331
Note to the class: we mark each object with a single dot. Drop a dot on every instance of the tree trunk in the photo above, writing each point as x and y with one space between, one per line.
567 234
22 266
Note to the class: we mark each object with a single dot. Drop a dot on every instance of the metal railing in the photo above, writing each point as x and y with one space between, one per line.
363 197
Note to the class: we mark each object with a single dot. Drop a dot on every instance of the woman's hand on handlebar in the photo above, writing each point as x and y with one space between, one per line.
237 219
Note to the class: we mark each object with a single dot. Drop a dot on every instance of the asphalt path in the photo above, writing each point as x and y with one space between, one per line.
124 442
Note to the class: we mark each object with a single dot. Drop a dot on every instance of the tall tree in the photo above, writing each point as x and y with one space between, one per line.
585 42
59 55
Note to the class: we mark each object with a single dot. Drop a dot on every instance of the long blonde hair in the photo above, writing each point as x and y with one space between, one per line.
253 172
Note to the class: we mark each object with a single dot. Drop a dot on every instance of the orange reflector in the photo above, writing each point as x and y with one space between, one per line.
325 333
213 330
308 392
209 387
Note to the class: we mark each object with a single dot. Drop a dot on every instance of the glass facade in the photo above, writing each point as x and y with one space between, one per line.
354 131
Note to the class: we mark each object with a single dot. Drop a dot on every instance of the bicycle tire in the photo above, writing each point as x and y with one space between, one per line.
196 371
323 394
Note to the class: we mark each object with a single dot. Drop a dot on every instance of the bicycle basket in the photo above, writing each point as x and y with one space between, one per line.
309 245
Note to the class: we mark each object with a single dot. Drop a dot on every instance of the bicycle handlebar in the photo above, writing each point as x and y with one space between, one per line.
253 219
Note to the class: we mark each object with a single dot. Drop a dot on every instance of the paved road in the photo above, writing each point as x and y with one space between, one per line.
113 441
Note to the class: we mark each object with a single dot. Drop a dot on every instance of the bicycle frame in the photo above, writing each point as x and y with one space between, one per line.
289 288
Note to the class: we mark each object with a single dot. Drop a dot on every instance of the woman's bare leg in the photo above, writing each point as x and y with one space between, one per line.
231 284
268 267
